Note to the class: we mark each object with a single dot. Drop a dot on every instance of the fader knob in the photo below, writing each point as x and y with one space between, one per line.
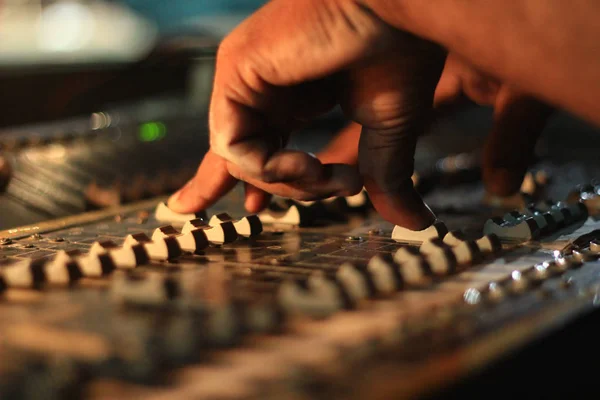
385 274
164 214
437 229
218 234
414 268
489 244
192 241
160 250
24 274
439 256
248 226
63 269
523 230
353 281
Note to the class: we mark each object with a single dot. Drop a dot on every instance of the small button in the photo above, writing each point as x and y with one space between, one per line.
494 292
539 272
472 296
584 255
595 246
516 282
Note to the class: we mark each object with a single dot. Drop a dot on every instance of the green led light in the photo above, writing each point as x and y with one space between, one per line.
152 131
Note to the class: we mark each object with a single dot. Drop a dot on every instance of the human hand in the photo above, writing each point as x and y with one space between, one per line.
286 64
518 122
292 61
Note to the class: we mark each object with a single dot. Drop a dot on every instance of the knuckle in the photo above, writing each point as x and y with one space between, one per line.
226 50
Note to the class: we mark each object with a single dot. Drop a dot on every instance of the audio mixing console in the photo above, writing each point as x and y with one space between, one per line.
135 301
107 294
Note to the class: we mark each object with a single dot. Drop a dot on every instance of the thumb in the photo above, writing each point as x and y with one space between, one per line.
393 101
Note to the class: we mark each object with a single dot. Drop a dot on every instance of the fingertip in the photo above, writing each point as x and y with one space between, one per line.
211 182
404 208
174 202
256 199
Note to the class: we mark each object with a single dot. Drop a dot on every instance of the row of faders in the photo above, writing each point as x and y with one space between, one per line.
533 222
321 292
306 213
536 221
440 254
104 257
519 282
153 337
588 194
232 300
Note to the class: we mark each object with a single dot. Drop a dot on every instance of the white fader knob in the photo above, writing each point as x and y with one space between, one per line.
147 289
414 268
489 244
289 216
385 275
160 250
320 299
437 229
63 269
164 214
520 231
96 265
23 275
192 241
219 234
439 255
247 226
353 281
124 257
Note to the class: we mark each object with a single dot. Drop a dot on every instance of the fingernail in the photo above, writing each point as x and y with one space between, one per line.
174 202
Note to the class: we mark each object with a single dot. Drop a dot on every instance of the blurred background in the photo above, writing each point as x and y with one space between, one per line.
60 58
105 102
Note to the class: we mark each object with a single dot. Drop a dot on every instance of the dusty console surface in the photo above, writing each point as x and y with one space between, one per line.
116 304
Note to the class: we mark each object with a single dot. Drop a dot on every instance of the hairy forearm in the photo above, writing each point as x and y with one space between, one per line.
548 49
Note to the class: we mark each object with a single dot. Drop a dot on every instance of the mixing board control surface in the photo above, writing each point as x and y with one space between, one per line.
117 304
